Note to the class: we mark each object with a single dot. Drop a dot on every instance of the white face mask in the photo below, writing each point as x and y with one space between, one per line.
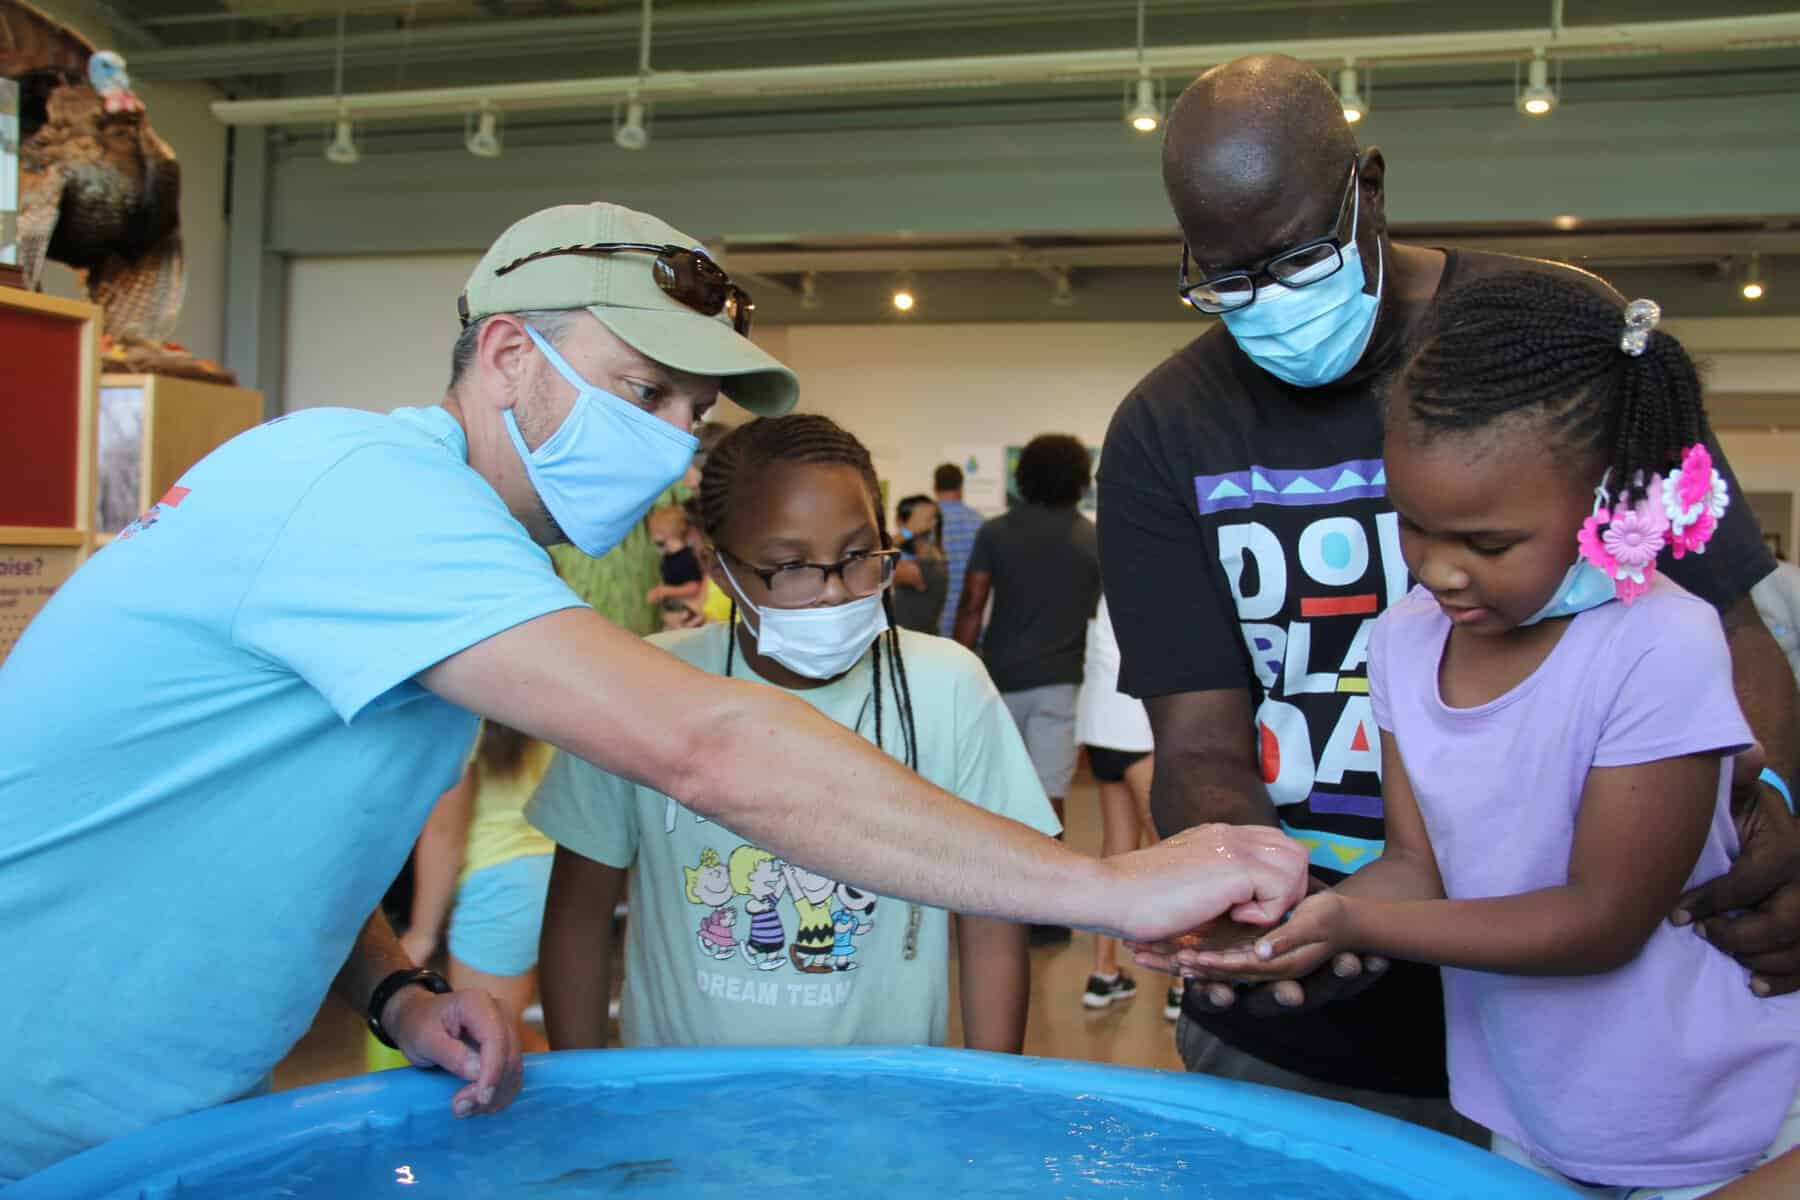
818 642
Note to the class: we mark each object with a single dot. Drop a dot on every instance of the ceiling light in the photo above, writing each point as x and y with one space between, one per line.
631 134
1145 116
481 133
1565 222
1350 95
1062 292
342 147
1537 98
1755 284
809 291
904 295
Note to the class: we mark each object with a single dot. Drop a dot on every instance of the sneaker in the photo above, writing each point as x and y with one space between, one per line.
1172 1003
1102 992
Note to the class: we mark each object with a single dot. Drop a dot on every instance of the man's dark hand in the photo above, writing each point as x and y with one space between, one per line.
1752 912
1345 976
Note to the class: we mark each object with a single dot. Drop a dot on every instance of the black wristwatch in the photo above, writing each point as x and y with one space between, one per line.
431 981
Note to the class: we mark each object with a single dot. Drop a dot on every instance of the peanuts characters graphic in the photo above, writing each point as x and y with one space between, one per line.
851 915
814 937
756 876
709 884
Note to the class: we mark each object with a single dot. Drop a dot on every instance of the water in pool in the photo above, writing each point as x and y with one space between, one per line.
786 1135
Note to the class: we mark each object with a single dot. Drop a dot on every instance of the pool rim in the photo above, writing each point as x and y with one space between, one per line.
1353 1141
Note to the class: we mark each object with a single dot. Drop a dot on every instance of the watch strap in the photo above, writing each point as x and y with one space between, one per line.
384 991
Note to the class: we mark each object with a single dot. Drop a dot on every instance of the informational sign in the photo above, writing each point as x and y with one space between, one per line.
984 476
28 577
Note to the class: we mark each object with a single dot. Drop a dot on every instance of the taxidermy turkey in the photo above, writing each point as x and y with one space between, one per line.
97 187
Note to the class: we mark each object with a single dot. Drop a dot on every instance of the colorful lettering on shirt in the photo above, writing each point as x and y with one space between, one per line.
1311 556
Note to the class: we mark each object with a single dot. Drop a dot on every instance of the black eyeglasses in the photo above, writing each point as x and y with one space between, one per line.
1298 267
796 585
688 276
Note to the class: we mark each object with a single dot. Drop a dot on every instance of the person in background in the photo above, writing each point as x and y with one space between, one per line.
958 524
478 848
922 580
1249 546
1116 731
615 584
678 597
1041 565
728 942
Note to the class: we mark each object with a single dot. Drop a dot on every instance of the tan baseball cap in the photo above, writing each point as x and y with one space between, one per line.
622 293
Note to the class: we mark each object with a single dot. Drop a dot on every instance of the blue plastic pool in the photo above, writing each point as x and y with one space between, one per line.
770 1124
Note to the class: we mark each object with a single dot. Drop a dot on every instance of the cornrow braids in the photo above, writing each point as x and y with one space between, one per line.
1548 346
807 438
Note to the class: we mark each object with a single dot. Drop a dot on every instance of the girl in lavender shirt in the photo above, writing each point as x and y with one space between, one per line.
1557 724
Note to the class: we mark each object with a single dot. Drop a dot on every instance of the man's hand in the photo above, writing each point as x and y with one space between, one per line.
1752 912
1252 873
464 1033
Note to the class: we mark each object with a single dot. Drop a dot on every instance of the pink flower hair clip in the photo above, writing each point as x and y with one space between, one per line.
1681 510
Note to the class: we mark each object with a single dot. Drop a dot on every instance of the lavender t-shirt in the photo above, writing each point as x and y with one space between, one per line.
1667 1071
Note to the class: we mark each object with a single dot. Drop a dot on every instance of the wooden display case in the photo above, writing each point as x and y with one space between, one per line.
49 372
152 428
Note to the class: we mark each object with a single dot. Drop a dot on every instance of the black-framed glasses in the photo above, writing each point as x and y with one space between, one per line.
686 275
1297 267
796 585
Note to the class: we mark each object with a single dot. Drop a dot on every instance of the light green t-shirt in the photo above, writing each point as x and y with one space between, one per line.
729 945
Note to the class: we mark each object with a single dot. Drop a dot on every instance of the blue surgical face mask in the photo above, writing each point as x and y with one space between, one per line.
605 465
1312 336
1583 586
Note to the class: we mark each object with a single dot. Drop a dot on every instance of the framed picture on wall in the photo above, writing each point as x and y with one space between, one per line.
1772 539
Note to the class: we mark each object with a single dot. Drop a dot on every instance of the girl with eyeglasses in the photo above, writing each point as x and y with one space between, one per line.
727 943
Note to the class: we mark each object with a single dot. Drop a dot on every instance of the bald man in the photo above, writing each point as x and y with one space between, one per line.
1248 545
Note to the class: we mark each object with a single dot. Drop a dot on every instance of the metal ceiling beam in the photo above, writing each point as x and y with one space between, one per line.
596 32
977 71
1651 248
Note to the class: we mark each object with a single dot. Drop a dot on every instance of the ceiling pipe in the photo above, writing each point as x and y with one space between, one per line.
914 75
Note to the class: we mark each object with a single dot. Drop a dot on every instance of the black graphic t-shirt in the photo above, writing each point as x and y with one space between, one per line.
1247 542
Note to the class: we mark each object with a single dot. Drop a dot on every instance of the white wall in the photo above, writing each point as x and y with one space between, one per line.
371 333
376 332
1767 462
910 391
181 116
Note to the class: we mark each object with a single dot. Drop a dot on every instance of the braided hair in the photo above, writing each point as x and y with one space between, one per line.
1547 346
806 438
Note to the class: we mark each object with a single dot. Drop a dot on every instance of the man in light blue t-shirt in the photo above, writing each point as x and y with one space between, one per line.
220 738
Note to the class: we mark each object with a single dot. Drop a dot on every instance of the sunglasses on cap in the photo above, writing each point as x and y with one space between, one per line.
686 276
